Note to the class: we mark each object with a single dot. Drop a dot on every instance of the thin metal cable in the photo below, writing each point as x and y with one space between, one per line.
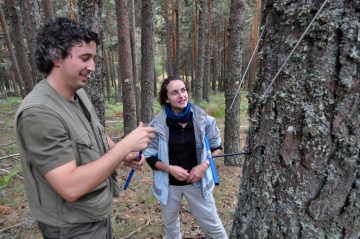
247 67
292 51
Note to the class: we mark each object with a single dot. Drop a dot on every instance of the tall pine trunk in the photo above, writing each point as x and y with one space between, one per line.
147 59
208 53
15 66
20 48
233 77
169 63
137 87
302 178
177 38
202 38
32 21
48 10
125 66
194 39
90 14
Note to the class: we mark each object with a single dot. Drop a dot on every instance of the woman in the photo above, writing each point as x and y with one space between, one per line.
178 157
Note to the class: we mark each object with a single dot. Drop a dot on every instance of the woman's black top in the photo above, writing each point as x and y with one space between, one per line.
182 150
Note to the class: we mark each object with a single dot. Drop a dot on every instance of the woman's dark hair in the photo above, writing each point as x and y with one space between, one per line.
56 39
163 90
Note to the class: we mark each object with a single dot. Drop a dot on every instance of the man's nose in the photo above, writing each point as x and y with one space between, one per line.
91 66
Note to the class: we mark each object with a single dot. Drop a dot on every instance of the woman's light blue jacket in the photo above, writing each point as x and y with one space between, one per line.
203 125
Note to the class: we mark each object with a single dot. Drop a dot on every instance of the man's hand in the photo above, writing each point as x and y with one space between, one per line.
139 138
72 181
132 160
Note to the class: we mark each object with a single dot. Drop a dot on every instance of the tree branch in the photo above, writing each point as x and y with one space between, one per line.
1 145
8 172
9 156
138 229
9 227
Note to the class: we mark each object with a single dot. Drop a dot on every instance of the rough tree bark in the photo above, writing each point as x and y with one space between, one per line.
132 19
20 49
90 15
194 39
32 21
18 78
202 38
224 57
48 10
208 55
147 59
303 177
176 8
232 80
125 63
108 74
169 63
254 40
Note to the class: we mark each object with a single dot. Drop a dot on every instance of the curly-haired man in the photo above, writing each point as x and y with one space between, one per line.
67 159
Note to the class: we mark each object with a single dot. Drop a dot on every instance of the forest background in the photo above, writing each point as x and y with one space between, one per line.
302 177
143 42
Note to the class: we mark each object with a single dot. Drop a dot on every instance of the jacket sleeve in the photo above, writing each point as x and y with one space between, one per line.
152 149
212 132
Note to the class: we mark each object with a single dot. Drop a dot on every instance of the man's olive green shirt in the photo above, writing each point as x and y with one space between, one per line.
52 131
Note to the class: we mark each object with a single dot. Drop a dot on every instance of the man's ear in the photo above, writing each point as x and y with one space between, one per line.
55 56
57 62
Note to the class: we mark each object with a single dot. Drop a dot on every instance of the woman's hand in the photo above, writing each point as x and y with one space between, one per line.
197 173
179 173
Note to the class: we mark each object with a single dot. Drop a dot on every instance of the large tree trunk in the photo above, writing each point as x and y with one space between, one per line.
202 33
302 178
254 40
169 63
125 61
110 49
15 66
90 15
108 74
147 60
232 80
224 58
177 38
215 63
48 10
137 88
194 40
20 49
31 21
208 52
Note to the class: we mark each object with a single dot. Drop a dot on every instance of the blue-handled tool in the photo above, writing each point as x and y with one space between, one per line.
128 180
211 162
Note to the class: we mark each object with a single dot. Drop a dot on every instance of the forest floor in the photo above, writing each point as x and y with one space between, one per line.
136 213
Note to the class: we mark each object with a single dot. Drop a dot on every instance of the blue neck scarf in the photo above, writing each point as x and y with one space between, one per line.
183 117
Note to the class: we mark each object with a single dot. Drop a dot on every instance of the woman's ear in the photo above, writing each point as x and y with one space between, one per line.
167 101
